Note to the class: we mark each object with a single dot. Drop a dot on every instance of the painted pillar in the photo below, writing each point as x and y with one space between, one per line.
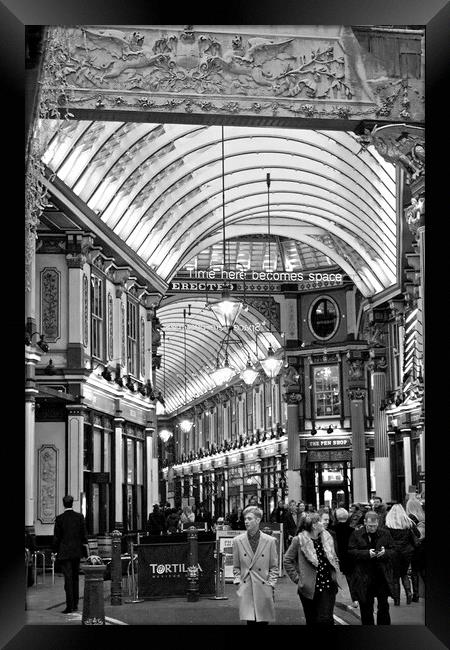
359 469
382 462
406 435
78 246
293 460
149 432
31 359
118 474
75 452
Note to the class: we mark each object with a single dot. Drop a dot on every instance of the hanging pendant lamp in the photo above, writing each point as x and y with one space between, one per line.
228 308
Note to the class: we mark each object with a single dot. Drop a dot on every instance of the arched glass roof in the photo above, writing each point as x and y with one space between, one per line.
159 188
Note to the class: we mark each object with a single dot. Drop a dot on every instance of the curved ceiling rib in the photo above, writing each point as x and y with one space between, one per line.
159 188
203 338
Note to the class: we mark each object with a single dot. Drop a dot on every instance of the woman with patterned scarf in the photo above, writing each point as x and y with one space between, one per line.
311 562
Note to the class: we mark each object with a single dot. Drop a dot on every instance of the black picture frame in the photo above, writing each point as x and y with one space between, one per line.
435 16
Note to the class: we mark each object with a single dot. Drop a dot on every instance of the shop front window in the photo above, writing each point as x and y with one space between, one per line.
327 401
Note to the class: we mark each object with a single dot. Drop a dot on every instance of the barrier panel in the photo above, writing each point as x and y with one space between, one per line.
162 569
276 530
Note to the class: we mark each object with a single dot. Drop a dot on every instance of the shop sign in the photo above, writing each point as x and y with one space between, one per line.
163 569
328 443
225 538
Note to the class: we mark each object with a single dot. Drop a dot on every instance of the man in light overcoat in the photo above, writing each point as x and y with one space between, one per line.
255 569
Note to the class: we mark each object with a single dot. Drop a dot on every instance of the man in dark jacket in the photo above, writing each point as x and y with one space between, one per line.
381 509
204 515
371 550
156 522
68 540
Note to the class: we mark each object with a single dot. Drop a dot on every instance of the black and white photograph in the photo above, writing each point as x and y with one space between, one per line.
225 326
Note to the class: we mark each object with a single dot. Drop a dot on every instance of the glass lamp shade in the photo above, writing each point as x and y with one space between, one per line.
222 375
165 434
186 426
271 365
249 374
160 408
227 310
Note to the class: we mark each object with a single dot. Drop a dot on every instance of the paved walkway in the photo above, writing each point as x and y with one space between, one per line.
45 603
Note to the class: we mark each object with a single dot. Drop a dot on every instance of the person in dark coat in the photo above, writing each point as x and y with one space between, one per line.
69 538
172 521
371 549
156 524
381 509
404 534
278 514
290 523
356 516
342 532
204 515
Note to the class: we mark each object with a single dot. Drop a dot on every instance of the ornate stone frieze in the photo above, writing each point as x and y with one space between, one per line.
47 483
378 364
50 304
292 398
297 72
356 393
355 369
399 143
267 307
120 277
415 214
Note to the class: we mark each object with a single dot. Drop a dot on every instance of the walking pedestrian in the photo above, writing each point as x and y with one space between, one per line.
404 537
372 549
381 509
342 531
311 563
290 523
69 538
255 570
416 513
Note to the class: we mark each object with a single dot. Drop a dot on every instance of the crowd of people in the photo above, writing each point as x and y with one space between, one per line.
165 520
374 547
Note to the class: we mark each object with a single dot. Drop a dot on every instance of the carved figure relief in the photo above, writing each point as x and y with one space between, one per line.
47 483
50 287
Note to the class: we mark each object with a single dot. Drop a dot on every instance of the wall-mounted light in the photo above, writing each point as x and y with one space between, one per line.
313 432
330 429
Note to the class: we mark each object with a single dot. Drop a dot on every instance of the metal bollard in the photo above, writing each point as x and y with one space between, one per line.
94 599
35 558
134 578
116 568
220 576
192 567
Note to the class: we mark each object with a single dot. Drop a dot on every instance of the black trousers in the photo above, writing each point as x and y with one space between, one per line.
319 610
70 570
366 607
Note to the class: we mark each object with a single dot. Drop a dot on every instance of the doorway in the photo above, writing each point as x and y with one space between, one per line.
332 483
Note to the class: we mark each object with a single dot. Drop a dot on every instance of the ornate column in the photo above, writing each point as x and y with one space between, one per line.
292 396
120 278
356 394
150 439
378 366
359 468
406 435
118 474
75 452
78 246
31 359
